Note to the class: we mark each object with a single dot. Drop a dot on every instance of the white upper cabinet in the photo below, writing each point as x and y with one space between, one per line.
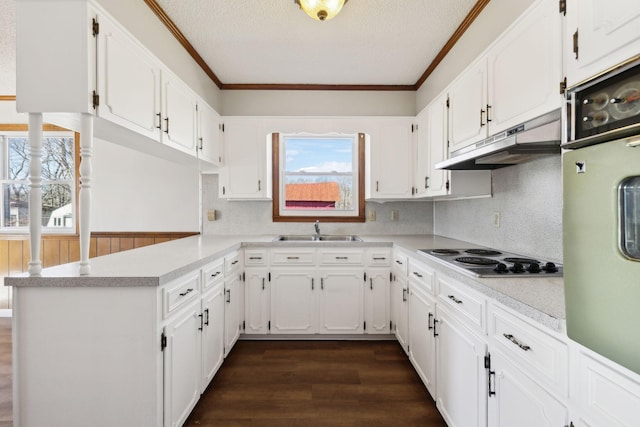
247 155
525 68
179 109
517 79
391 156
432 132
209 135
599 35
128 81
60 35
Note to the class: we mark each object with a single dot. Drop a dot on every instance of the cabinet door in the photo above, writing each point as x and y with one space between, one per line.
128 82
245 148
231 311
391 159
376 302
461 378
209 138
422 352
525 68
212 333
182 383
400 296
256 301
437 145
179 106
293 308
341 301
520 401
607 34
468 107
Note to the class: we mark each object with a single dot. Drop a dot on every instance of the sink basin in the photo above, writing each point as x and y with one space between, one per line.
314 238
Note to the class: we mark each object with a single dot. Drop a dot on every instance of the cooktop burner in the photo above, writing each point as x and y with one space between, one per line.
489 262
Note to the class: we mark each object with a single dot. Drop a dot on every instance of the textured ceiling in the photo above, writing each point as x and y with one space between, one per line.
7 48
371 42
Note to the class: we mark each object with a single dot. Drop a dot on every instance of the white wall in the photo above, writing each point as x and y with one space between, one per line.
138 192
529 200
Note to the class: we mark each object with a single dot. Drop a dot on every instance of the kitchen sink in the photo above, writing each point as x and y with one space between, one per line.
315 238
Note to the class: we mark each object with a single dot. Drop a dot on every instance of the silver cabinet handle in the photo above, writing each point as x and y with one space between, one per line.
159 121
228 292
255 257
429 321
342 257
482 123
371 283
322 283
200 142
517 342
398 262
379 258
293 257
166 122
206 318
404 294
312 283
215 274
263 283
454 299
417 274
234 262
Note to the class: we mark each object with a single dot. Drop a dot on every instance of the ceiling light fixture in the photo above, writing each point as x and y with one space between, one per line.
322 10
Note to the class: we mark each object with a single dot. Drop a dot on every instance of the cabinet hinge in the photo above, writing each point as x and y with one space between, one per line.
563 86
222 127
95 98
365 276
448 104
563 7
269 325
243 276
365 325
447 185
95 27
163 341
487 365
269 276
244 325
390 276
575 43
391 325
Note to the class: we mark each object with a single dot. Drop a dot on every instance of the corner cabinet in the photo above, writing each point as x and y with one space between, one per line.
599 35
247 166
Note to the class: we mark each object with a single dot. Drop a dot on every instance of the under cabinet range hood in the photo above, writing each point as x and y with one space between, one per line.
527 141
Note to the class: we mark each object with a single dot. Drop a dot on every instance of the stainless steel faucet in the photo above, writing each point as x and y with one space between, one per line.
317 227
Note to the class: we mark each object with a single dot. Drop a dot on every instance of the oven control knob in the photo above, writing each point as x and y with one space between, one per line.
517 267
550 267
501 268
534 267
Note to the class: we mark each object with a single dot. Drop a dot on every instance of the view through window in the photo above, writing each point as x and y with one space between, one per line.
319 177
58 181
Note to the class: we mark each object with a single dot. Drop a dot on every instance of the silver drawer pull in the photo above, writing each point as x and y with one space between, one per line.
342 257
215 274
417 274
234 262
454 299
186 292
399 262
255 257
293 257
381 258
516 342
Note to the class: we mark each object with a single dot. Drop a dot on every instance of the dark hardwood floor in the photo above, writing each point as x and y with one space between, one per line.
296 383
316 383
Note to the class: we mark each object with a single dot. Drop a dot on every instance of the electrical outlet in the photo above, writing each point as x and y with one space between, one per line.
496 219
371 216
211 214
394 215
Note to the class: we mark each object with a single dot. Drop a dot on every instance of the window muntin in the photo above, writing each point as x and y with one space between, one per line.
318 177
58 182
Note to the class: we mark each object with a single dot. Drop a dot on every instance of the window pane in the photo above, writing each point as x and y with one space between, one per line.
57 208
318 174
18 158
16 205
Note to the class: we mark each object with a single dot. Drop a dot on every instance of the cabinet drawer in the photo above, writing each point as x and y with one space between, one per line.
212 273
232 262
464 302
181 291
538 353
342 257
255 257
379 257
422 276
400 263
293 257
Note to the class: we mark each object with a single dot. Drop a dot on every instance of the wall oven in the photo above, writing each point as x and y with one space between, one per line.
601 215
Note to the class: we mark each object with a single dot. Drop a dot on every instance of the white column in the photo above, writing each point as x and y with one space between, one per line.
86 149
35 192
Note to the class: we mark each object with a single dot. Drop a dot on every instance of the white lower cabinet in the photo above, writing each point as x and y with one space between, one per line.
461 378
422 351
376 301
341 301
212 333
232 286
182 384
257 290
292 301
400 302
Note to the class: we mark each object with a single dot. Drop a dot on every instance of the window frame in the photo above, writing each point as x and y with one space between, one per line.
51 231
276 196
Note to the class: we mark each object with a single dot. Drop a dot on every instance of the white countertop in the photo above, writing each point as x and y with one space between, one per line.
539 298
